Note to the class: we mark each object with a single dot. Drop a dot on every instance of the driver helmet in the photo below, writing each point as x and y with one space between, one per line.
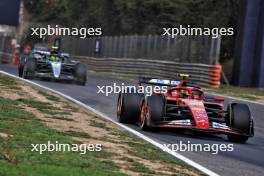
54 50
54 53
184 93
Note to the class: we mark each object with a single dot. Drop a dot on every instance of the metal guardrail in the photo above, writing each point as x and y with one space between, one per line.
205 75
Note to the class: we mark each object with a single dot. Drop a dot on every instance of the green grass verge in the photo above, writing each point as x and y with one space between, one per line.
253 94
16 157
8 83
138 167
49 96
44 107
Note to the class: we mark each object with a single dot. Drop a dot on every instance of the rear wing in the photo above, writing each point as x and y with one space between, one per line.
160 82
67 55
47 53
41 51
168 82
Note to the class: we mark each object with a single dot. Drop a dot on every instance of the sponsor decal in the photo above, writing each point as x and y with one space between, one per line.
181 122
220 126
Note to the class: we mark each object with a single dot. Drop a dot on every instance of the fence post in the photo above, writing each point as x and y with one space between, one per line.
106 46
143 46
167 51
149 43
130 47
126 45
176 50
136 47
120 47
115 46
155 47
215 50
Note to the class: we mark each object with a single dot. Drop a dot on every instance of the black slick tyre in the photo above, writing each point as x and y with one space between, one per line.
128 107
239 118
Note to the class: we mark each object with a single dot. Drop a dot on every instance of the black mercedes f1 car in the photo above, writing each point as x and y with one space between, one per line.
41 63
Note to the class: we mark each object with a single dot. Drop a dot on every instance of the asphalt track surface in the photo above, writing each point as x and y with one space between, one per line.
246 159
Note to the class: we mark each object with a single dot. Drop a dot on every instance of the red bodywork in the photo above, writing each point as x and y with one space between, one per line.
195 104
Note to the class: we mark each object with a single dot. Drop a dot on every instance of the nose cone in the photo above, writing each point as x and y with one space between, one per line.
56 69
198 113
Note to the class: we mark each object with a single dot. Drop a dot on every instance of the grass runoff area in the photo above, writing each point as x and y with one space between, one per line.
253 94
31 116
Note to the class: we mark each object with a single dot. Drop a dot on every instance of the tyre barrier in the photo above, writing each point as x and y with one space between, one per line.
205 75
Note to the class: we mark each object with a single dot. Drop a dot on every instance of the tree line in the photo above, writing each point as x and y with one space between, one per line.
122 17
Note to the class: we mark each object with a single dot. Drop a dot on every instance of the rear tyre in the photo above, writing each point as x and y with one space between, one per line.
128 107
29 69
239 118
81 74
143 118
156 105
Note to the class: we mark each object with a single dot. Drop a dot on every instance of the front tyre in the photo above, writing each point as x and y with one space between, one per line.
237 138
81 74
239 118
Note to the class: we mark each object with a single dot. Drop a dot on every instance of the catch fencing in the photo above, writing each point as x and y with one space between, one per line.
184 49
150 55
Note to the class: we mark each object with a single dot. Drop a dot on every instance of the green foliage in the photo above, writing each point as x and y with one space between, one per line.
134 16
118 17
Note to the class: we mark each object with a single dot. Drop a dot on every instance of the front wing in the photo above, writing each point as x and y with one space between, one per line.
186 124
45 70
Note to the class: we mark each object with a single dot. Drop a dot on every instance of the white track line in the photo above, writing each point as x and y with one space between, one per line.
158 145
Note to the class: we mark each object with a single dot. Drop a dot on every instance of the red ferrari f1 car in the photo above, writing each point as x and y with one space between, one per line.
185 106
